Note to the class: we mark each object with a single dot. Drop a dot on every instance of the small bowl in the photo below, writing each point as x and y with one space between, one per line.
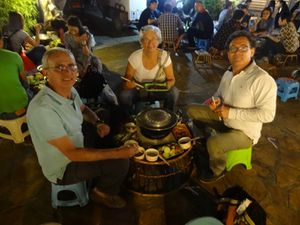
130 127
151 154
141 154
185 142
131 142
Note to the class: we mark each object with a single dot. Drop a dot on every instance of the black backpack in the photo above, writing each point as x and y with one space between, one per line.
231 208
6 40
92 83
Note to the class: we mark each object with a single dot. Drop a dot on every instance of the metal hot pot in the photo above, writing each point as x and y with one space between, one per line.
156 123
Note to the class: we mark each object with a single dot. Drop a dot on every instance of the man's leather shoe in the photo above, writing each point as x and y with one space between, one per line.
111 201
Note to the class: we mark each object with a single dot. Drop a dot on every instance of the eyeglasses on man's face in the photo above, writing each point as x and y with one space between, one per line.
62 68
242 48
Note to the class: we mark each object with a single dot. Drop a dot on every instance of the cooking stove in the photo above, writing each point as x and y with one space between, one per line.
147 142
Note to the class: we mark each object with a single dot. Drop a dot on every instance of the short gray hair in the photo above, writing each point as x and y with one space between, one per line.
147 28
53 51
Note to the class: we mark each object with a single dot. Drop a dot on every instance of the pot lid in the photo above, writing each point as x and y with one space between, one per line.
156 118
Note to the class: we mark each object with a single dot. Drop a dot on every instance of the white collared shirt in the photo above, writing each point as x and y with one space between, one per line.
251 95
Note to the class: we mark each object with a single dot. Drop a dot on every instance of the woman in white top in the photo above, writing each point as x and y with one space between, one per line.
143 66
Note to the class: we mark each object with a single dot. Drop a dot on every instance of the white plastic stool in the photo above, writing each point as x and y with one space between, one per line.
14 127
79 189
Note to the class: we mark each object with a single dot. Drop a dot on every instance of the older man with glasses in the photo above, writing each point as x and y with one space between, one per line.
245 99
55 118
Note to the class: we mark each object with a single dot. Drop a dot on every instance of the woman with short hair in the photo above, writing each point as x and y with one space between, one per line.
144 66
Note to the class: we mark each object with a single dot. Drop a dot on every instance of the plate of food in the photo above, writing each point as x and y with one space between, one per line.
170 150
156 86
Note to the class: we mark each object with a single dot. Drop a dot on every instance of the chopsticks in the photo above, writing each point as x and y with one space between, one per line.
163 159
138 85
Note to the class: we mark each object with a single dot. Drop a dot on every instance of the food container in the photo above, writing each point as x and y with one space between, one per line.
185 142
141 154
151 154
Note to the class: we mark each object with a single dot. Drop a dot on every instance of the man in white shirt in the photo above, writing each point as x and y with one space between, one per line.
245 99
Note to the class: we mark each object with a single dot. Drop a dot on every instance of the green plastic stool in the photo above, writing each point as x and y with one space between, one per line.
239 156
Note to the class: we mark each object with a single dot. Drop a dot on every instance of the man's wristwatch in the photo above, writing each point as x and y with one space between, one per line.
98 121
83 43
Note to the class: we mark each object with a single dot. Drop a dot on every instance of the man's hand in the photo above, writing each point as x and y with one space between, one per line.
129 150
214 103
103 129
223 111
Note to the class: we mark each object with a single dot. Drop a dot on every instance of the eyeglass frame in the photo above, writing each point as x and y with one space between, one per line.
61 68
242 48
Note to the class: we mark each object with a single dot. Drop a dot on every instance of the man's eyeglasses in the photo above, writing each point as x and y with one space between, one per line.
234 49
62 68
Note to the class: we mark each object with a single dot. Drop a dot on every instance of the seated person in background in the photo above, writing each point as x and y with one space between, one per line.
148 16
19 39
144 65
60 27
287 40
247 16
225 31
224 15
80 42
171 26
245 99
202 26
265 23
55 118
13 98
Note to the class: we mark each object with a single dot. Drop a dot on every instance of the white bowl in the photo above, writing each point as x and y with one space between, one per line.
151 154
185 143
141 154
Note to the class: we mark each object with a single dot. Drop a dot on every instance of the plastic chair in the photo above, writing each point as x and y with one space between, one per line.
14 127
287 88
239 156
79 189
28 64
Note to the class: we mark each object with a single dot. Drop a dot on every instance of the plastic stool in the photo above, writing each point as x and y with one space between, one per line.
293 57
205 221
202 57
287 88
203 44
14 127
169 45
239 156
79 189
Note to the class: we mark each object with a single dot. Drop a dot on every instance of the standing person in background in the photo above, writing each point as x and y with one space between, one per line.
55 118
80 41
148 16
202 26
245 99
13 98
19 39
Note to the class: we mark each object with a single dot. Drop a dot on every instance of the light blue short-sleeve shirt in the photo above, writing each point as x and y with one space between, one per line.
51 116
